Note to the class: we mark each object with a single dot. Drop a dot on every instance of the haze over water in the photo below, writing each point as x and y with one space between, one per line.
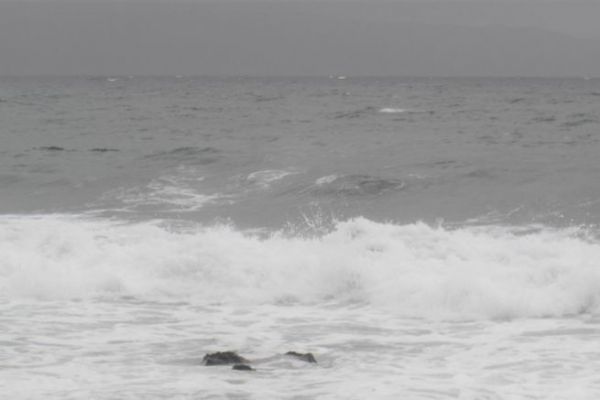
424 238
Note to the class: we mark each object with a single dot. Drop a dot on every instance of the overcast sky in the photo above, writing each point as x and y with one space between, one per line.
300 37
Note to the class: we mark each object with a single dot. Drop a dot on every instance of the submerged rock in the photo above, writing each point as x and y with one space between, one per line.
223 358
242 367
308 357
239 363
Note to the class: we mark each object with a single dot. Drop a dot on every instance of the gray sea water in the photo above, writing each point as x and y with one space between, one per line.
423 238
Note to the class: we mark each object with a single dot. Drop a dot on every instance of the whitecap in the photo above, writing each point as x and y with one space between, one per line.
392 110
326 179
265 178
413 270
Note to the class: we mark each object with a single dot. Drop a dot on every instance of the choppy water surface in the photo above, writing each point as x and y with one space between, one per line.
424 238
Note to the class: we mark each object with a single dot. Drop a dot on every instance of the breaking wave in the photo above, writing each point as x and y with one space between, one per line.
416 270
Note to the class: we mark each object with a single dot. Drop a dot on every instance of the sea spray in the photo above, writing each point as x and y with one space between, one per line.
415 270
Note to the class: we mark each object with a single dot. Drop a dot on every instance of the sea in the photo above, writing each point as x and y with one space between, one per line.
423 238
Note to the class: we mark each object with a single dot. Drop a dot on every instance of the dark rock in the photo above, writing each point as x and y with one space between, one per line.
223 358
242 367
102 150
308 357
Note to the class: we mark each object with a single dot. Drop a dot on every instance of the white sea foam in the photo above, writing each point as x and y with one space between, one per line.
393 110
415 270
166 193
265 178
326 179
179 192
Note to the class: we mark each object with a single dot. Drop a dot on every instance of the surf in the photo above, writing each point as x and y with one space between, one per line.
416 270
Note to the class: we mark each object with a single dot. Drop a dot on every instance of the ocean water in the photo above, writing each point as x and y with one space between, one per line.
423 238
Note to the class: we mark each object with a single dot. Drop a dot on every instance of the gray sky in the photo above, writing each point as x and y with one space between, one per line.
300 37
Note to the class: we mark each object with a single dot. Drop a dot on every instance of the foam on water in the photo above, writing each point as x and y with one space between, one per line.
413 270
326 179
181 191
164 193
392 110
265 178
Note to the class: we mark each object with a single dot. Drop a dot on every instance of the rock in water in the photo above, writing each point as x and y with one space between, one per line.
308 357
223 358
242 367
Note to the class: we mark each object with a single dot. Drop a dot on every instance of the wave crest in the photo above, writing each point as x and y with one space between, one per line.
416 270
